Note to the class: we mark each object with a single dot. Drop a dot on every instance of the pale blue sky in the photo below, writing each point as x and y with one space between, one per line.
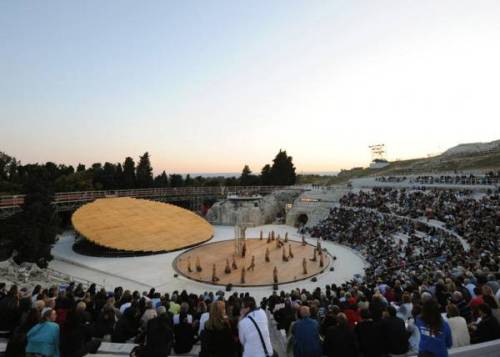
208 86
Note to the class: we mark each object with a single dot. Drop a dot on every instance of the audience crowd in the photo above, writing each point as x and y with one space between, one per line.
431 283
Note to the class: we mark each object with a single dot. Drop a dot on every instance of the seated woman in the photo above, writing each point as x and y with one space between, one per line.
488 328
217 336
435 333
183 331
43 338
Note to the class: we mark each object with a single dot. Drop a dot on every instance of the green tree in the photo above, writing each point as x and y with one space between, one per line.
108 176
35 228
247 178
119 176
144 172
176 180
188 181
161 180
129 173
80 168
283 171
265 175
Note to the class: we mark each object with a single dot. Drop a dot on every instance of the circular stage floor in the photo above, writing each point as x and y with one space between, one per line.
218 252
136 225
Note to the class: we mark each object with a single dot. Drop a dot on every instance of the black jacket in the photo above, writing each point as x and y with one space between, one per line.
370 338
159 337
340 341
396 337
217 342
487 330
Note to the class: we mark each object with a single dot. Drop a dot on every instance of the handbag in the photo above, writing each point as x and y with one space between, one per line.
275 354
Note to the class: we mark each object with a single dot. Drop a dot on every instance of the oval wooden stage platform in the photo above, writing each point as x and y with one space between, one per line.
218 252
136 225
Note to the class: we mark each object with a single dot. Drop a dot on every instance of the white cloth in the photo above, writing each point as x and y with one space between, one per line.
125 307
404 311
203 318
177 321
459 331
249 337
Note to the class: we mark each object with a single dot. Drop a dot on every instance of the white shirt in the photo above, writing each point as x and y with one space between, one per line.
249 337
177 317
203 318
459 332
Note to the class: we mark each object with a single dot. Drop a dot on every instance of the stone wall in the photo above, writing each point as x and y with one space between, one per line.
264 210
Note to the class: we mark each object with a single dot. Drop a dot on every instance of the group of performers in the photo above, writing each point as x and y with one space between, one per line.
280 244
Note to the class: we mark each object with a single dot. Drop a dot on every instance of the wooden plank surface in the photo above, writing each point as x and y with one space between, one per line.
140 225
218 252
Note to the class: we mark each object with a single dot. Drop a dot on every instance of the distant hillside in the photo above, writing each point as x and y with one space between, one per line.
463 157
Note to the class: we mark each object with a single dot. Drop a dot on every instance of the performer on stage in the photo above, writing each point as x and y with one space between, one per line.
252 264
244 250
290 253
314 258
275 275
243 272
198 265
286 237
189 265
235 267
304 266
304 243
227 270
214 274
321 261
267 255
284 257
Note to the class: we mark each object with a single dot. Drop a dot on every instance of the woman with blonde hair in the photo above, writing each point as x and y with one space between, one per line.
217 337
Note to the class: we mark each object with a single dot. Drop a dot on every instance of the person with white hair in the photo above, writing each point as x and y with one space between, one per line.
43 338
149 313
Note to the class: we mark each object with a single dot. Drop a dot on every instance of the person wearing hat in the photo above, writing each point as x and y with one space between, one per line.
43 338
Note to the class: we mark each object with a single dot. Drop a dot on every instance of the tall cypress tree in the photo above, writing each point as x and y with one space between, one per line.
283 171
265 175
129 173
144 172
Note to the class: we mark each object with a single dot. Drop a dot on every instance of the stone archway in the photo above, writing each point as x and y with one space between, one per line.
301 220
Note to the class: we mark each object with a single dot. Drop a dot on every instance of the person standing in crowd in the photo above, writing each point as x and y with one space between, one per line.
396 336
340 340
253 330
217 337
43 338
306 335
458 326
435 333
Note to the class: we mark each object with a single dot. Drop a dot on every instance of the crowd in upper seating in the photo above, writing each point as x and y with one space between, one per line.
424 291
490 178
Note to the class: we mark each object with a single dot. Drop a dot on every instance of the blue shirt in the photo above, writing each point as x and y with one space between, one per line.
43 338
306 338
435 343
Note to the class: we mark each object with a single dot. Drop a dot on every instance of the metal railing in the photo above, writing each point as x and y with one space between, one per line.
15 201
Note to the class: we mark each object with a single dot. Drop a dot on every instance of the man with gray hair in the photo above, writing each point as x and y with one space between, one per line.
306 335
